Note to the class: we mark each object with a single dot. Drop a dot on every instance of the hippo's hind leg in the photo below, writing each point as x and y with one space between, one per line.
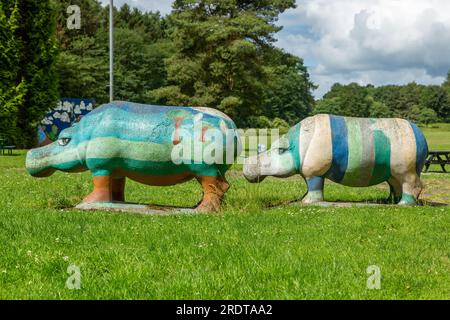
315 190
102 190
213 190
118 189
395 190
412 187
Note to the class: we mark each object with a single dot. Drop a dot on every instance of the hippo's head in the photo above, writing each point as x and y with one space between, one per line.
277 162
63 154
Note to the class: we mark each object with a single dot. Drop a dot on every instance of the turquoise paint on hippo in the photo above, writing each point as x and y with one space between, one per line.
152 168
407 199
294 145
382 166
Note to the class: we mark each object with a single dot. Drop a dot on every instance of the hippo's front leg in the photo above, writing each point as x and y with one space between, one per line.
213 190
315 190
102 190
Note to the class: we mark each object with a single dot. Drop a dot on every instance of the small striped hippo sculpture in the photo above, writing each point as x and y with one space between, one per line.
355 152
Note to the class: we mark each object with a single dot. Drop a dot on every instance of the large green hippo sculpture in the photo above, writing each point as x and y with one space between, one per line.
123 140
356 152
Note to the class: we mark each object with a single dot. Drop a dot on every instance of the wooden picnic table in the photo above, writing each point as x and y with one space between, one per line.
4 148
441 158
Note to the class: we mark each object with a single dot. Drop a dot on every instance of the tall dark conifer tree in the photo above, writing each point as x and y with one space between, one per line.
12 88
37 65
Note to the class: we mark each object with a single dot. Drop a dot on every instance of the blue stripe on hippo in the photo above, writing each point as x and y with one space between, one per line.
421 148
315 183
339 140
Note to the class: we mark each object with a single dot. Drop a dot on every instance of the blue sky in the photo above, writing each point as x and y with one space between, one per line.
363 41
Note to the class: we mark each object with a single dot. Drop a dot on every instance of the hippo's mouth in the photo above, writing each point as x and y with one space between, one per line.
43 173
256 179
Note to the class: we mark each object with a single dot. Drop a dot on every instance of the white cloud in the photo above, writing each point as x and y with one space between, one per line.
370 41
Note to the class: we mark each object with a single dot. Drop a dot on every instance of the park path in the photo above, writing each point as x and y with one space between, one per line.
437 187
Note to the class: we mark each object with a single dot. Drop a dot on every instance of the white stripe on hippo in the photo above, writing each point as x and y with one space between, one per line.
319 154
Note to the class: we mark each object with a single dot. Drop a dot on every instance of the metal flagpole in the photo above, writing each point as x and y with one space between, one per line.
111 51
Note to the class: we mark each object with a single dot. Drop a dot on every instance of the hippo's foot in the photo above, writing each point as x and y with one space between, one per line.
209 205
213 190
412 188
408 200
102 190
313 197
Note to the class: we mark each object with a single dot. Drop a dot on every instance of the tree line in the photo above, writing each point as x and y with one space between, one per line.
213 53
420 103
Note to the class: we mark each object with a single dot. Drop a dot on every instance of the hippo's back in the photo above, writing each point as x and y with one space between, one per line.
137 137
363 151
149 123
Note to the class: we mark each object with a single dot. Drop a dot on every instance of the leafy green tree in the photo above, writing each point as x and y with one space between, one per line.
415 113
437 99
444 111
428 116
379 110
328 105
407 101
219 54
288 93
138 66
346 100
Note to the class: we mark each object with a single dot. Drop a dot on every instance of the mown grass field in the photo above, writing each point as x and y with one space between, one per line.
262 246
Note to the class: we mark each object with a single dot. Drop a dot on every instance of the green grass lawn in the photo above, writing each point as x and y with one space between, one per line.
438 136
262 246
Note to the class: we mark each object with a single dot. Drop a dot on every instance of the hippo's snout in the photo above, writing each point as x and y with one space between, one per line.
34 164
38 162
252 171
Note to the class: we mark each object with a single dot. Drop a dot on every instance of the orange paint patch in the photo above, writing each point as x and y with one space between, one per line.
176 136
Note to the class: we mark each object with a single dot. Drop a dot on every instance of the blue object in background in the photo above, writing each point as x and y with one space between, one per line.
67 112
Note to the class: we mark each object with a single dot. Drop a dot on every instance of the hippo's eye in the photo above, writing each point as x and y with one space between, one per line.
282 150
64 141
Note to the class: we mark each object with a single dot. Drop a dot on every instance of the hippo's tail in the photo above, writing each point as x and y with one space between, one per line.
421 148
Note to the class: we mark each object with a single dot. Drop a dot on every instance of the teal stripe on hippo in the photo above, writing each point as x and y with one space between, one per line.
355 152
368 152
382 148
293 136
97 166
